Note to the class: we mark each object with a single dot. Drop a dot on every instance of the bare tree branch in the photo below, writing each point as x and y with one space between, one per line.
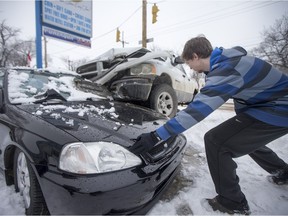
13 51
274 48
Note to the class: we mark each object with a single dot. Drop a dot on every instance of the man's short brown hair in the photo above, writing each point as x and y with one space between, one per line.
199 45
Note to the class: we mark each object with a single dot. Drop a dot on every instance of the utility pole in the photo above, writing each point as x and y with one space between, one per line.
123 42
144 24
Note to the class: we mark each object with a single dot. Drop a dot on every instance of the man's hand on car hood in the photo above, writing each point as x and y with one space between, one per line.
145 142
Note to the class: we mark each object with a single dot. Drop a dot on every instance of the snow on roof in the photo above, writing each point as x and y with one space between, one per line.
115 52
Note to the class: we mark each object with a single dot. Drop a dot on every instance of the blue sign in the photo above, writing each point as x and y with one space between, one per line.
68 20
75 16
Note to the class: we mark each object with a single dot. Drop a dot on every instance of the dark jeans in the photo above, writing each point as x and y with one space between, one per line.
236 137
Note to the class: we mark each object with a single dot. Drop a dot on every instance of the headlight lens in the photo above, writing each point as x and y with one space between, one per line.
96 157
143 69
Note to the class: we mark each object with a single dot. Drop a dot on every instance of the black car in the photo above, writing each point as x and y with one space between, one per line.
67 150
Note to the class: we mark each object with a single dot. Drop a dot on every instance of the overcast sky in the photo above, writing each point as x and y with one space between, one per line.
224 23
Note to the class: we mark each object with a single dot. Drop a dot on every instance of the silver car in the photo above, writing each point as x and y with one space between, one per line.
153 79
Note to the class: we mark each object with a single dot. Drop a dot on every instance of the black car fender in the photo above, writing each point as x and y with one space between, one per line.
40 151
8 146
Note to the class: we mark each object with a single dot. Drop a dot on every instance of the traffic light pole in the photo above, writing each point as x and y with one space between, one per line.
144 23
38 33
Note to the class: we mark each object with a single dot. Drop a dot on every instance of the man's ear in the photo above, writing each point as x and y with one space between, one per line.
195 56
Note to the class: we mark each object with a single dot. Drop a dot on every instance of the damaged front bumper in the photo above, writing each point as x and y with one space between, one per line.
132 88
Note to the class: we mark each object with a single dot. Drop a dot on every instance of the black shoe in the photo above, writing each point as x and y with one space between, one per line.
242 208
280 177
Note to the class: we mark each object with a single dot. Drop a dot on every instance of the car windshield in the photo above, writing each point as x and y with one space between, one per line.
33 87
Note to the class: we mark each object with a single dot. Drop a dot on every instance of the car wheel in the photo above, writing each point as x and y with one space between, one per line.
163 99
27 184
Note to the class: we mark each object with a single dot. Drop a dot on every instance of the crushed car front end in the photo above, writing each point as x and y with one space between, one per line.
131 191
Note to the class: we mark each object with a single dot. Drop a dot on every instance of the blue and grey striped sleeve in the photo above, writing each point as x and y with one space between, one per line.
221 85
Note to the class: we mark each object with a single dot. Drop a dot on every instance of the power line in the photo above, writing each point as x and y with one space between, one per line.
110 31
130 16
212 19
199 18
188 23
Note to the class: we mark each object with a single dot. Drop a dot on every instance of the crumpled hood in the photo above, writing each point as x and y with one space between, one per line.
220 54
98 120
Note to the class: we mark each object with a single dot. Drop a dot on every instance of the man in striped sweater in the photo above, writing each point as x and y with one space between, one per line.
260 94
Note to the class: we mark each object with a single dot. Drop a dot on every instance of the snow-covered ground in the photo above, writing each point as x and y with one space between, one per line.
194 184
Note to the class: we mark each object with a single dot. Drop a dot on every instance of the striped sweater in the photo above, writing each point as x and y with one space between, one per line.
257 88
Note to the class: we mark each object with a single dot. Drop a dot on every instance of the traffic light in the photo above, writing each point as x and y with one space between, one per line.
154 13
118 35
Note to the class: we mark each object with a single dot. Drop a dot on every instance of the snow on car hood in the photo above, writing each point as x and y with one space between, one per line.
101 120
131 63
116 52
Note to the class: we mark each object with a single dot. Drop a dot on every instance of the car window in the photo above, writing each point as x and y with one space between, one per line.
87 68
26 86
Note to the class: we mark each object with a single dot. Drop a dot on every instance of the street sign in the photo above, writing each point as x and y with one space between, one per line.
147 40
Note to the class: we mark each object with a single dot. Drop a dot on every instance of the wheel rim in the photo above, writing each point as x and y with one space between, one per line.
165 103
23 178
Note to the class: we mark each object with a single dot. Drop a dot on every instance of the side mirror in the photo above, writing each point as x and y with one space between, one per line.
177 60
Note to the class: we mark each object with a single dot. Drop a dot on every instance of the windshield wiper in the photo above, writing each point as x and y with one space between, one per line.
50 94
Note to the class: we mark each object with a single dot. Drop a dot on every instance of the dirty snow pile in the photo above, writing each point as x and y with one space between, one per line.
194 184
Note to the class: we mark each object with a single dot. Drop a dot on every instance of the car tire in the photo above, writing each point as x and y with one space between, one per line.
163 99
27 184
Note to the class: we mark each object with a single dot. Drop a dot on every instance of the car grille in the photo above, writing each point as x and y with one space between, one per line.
165 149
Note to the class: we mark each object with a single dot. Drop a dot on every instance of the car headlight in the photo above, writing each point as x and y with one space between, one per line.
143 69
96 157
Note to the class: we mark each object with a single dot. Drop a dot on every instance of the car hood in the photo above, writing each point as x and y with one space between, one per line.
98 120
